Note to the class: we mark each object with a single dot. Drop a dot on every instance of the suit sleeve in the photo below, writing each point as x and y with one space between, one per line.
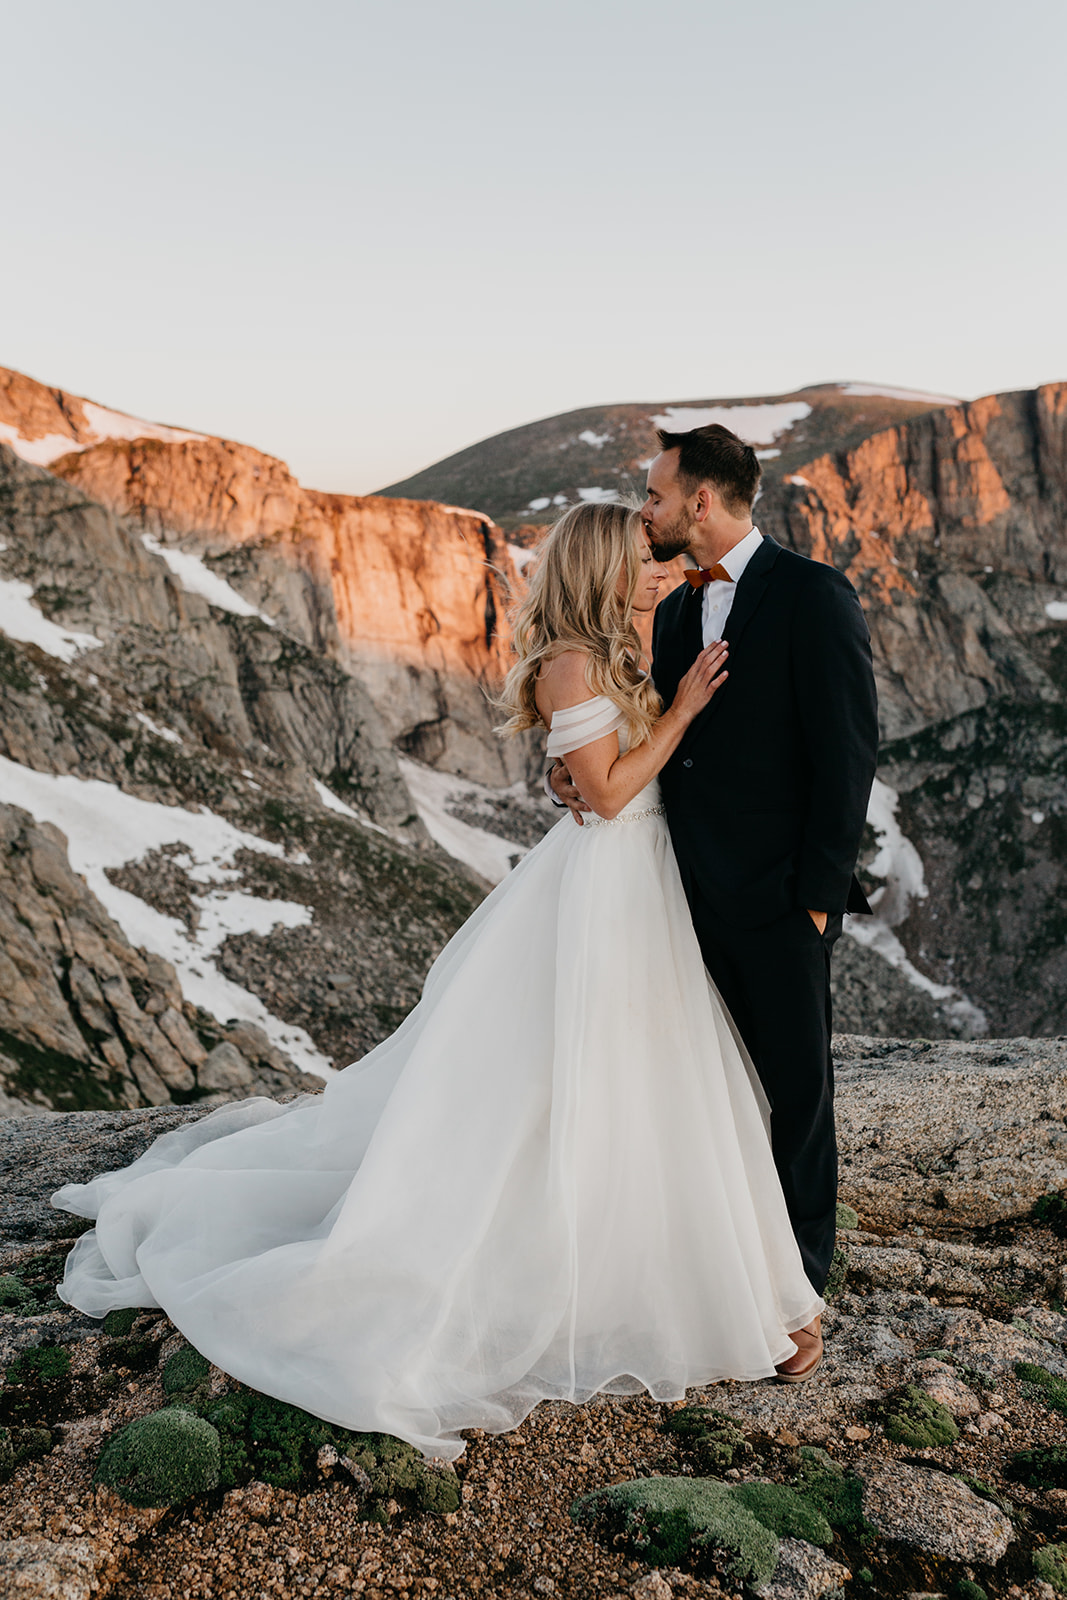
838 711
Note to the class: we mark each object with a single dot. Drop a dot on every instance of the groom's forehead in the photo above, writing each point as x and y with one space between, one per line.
662 469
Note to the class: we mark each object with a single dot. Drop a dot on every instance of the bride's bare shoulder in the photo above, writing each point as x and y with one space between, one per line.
562 682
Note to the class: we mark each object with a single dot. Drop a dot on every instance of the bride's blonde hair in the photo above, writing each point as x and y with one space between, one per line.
572 604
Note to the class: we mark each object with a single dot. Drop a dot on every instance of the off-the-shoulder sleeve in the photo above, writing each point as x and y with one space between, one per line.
575 726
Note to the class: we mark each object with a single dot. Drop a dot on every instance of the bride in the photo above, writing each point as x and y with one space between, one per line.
555 1178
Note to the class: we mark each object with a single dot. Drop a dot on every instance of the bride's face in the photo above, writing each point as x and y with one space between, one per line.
650 579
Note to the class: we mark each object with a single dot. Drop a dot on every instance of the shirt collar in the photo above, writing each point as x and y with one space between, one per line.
736 560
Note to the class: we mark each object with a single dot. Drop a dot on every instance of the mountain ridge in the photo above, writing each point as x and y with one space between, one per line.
525 472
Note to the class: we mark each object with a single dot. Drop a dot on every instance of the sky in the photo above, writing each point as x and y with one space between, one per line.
361 236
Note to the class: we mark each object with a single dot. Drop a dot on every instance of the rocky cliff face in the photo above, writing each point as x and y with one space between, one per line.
408 596
954 530
207 839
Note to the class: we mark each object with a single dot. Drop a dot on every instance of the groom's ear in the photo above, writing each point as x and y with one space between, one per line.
705 502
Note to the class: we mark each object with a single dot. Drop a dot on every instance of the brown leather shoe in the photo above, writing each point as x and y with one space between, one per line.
808 1359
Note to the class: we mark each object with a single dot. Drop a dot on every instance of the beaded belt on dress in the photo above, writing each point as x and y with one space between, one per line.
593 821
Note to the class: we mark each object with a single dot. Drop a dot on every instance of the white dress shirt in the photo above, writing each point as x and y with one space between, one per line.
718 594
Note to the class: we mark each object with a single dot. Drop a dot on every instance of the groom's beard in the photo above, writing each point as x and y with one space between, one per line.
674 539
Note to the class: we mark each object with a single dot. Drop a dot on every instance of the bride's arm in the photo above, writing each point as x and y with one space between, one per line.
606 779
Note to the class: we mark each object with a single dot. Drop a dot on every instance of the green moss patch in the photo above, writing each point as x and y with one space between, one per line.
785 1511
1050 1564
915 1418
15 1297
965 1589
837 1276
134 1355
27 1444
30 1286
185 1371
846 1217
43 1364
162 1459
1045 1384
1041 1468
696 1522
711 1438
119 1323
279 1444
37 1387
837 1494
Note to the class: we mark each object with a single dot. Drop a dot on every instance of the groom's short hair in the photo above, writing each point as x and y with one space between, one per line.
715 455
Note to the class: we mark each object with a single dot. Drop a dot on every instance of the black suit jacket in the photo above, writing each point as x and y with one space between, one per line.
767 793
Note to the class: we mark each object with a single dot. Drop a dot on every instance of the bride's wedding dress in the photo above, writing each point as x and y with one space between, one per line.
554 1178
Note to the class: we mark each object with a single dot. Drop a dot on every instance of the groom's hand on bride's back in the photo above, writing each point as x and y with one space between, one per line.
559 781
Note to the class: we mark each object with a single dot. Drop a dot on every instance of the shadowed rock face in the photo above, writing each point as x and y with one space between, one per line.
953 529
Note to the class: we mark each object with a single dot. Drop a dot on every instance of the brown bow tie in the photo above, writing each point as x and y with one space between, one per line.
700 575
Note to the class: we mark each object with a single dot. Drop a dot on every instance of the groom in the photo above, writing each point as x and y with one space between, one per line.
766 797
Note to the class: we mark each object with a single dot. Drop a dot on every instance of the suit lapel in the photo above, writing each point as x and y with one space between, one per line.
680 640
751 587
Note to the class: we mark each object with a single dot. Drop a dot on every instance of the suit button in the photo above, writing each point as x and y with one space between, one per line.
687 762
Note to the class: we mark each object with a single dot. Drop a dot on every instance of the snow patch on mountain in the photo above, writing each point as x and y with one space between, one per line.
900 865
103 424
490 856
759 424
196 577
105 827
20 619
885 392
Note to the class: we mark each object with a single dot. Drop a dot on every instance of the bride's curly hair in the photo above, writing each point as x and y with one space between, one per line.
572 604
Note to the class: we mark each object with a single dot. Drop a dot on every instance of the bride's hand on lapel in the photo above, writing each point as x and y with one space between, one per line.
705 676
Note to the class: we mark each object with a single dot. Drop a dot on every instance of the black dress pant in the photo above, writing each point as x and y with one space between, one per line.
775 982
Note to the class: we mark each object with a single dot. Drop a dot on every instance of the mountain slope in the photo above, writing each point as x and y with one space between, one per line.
524 475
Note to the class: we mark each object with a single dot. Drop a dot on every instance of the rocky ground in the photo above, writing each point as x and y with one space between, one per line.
928 1456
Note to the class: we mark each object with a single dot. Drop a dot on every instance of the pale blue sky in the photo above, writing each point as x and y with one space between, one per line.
362 236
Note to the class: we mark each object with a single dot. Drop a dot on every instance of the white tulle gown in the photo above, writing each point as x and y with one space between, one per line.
555 1177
